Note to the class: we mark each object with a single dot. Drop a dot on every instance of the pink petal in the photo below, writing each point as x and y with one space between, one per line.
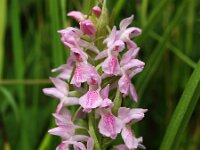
96 11
107 103
134 63
63 117
65 71
124 84
80 76
129 55
90 100
87 27
118 46
70 101
62 146
61 131
131 44
94 78
60 85
111 66
78 16
77 145
102 54
111 38
127 115
79 138
105 91
109 125
88 45
121 147
128 138
80 55
130 33
133 93
126 22
53 92
90 143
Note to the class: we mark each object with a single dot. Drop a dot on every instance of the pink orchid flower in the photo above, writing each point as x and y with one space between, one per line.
129 116
130 67
109 125
96 11
66 130
86 73
60 91
126 87
88 28
90 100
77 145
125 34
111 66
130 140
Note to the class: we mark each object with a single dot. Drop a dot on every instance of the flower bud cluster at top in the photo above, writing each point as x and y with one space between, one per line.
90 79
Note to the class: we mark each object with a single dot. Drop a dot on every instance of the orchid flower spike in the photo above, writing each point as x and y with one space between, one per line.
97 78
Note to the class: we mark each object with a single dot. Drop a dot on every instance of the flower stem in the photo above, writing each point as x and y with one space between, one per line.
92 132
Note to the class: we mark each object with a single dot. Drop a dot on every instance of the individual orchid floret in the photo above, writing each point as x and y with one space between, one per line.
88 28
127 88
86 73
111 66
130 140
77 145
60 91
96 11
128 115
128 33
90 100
66 130
77 15
109 125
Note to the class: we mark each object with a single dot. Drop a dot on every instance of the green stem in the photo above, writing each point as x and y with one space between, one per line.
92 132
117 102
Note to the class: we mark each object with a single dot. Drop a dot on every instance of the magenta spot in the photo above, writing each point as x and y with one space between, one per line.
116 48
93 81
78 57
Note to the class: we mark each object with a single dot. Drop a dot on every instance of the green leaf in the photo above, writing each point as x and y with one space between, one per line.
10 100
182 112
3 8
57 48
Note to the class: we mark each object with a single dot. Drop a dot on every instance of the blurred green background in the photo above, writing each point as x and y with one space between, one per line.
30 47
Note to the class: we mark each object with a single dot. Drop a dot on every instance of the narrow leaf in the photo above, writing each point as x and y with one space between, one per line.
183 111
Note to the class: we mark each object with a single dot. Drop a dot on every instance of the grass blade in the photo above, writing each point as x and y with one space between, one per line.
11 101
57 50
3 8
182 112
19 67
